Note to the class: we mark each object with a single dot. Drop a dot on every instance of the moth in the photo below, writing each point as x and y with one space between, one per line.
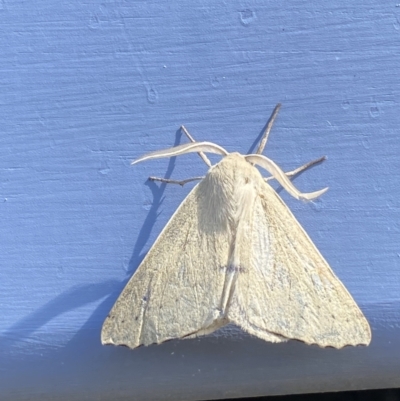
234 253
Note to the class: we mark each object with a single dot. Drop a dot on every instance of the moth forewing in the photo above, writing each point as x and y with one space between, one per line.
171 295
289 289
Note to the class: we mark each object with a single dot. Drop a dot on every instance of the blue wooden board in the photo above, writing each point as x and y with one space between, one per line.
88 86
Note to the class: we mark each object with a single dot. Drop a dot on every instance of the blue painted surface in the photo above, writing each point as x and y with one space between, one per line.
88 86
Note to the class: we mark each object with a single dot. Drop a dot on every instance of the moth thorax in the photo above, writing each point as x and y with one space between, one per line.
225 193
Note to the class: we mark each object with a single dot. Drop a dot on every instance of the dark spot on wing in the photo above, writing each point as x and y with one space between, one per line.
234 269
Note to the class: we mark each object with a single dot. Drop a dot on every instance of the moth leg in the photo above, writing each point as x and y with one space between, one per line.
181 183
201 154
293 173
265 136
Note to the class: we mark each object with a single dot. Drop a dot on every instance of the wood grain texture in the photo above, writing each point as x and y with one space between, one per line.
87 86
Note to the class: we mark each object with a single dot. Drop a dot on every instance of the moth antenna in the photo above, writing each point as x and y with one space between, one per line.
182 149
281 177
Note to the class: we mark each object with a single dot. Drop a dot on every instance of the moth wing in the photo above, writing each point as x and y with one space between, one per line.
176 290
286 287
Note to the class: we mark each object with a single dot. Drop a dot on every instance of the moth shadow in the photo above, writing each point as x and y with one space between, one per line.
157 191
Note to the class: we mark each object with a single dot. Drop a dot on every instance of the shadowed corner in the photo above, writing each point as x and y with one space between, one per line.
66 363
57 363
72 299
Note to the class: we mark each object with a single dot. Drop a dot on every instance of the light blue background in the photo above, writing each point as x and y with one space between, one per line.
88 86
